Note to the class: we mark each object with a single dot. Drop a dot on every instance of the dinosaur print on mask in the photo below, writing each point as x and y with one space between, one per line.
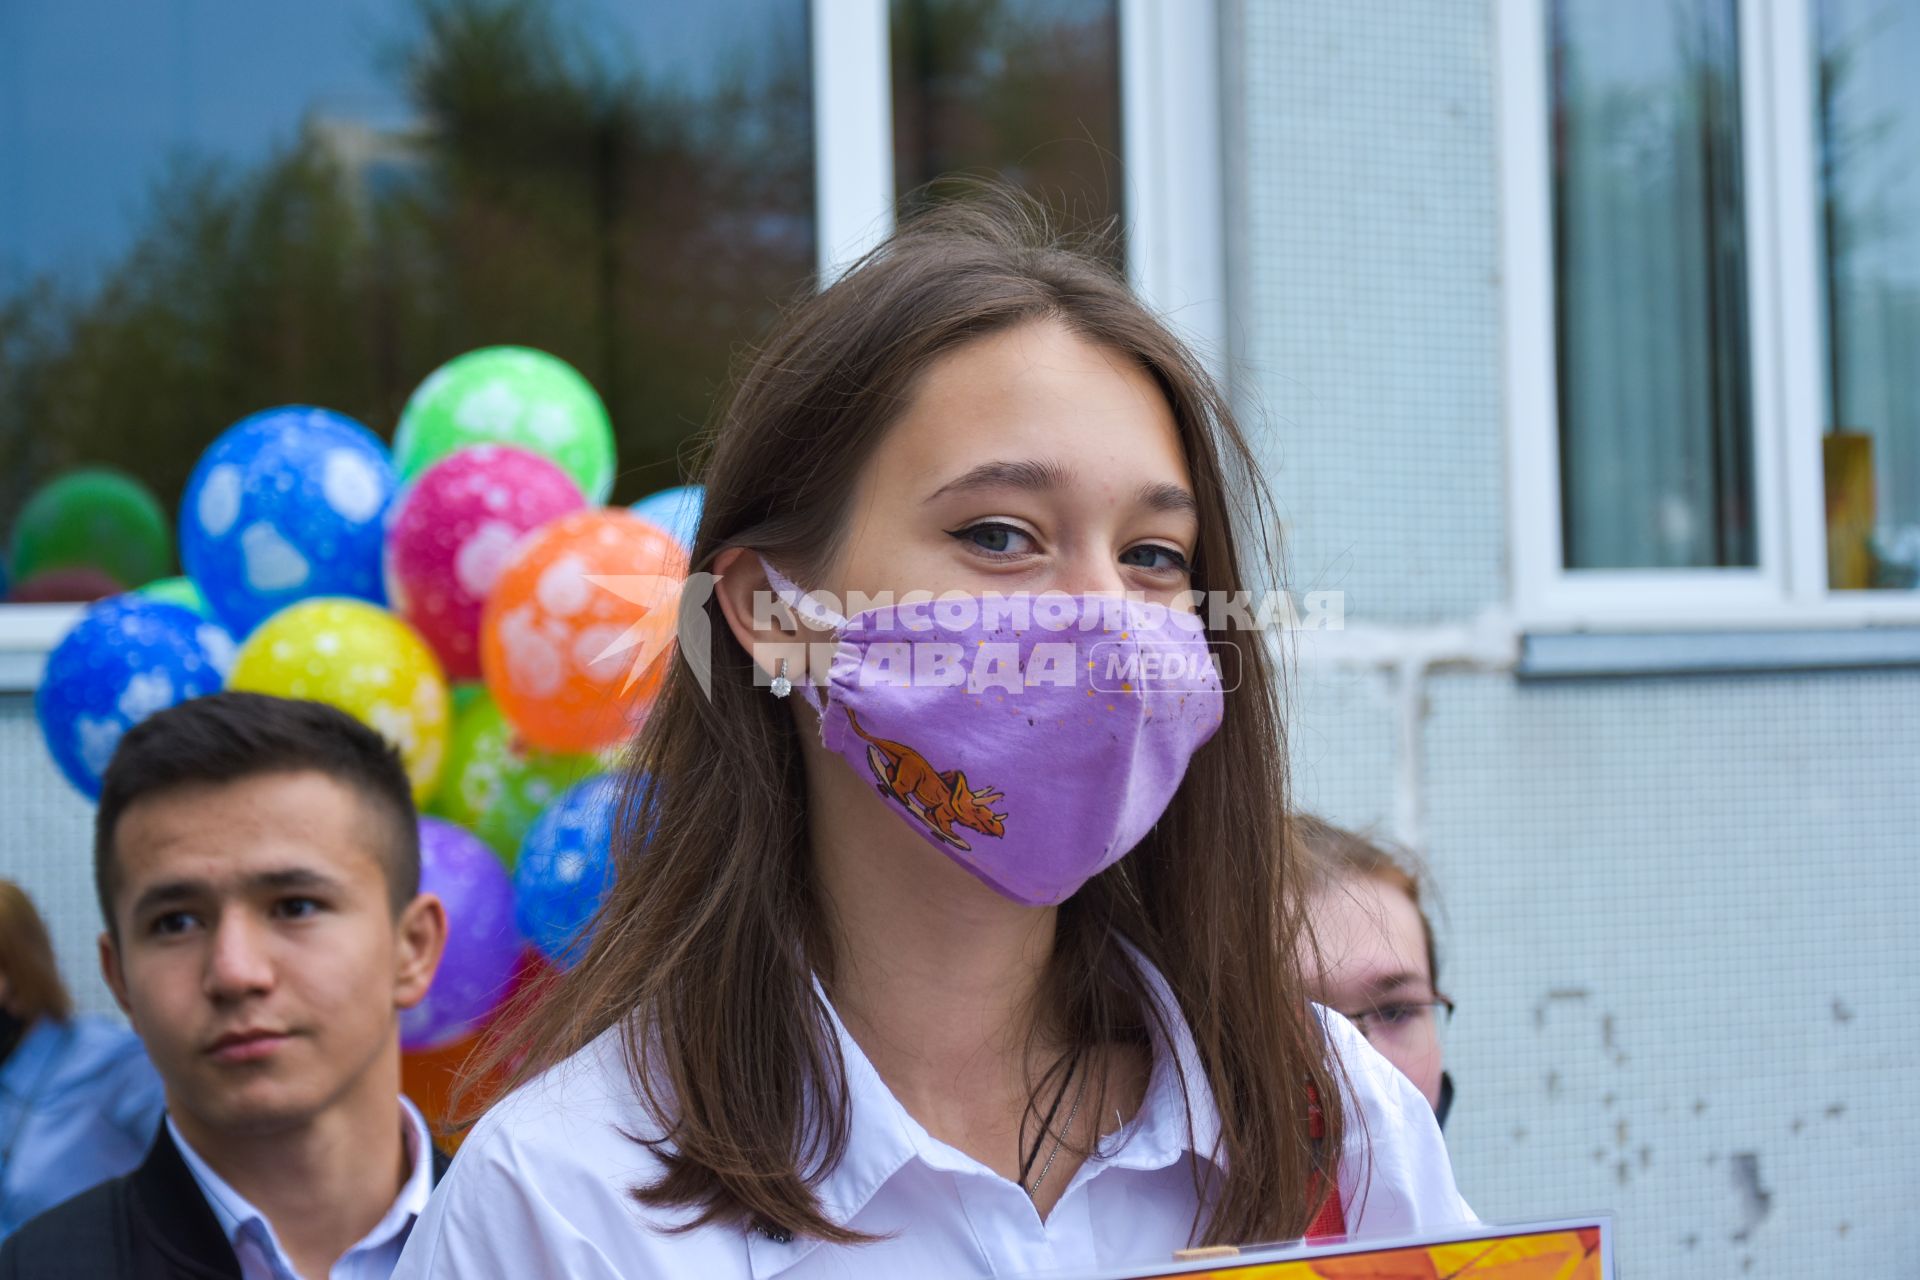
938 799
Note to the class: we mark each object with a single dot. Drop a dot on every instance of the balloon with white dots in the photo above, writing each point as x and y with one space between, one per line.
287 504
128 657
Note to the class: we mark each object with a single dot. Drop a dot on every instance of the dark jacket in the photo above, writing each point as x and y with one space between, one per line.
152 1224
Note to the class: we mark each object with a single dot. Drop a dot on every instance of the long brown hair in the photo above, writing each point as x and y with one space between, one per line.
34 989
707 948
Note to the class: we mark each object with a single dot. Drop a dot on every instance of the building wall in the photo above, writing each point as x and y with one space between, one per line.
1674 911
1680 929
1370 316
46 846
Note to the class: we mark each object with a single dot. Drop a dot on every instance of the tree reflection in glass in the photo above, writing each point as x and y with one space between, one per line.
1025 92
627 186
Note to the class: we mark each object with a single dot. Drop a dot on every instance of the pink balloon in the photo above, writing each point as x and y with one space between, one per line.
454 528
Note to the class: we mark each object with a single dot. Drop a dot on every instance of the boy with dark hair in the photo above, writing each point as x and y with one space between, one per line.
258 866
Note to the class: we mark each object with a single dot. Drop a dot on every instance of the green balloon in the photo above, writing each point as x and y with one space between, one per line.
465 694
513 396
181 591
93 518
495 785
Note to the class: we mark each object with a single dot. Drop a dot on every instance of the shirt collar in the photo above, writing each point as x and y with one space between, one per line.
236 1214
1177 1117
414 1192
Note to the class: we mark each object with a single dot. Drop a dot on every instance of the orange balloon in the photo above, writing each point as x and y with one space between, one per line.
428 1078
577 632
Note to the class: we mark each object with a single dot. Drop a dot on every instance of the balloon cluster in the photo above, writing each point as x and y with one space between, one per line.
449 592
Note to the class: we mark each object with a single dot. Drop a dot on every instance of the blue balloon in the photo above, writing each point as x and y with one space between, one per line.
566 868
675 510
126 658
287 504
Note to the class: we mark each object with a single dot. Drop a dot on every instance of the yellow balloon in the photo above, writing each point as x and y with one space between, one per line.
367 662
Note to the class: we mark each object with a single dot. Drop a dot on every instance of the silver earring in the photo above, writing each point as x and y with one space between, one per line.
780 686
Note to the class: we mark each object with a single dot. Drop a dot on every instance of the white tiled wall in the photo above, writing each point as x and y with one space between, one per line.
46 845
1681 930
1370 306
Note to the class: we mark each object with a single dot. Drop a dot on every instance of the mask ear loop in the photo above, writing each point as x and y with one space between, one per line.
800 601
812 611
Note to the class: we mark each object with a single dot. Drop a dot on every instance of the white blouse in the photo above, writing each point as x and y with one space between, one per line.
540 1187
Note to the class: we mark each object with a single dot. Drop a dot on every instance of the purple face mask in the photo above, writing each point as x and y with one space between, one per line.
1032 739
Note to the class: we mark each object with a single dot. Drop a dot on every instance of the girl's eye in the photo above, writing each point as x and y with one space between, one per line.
1393 1015
995 539
1155 558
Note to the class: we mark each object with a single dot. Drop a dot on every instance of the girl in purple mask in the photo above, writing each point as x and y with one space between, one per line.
961 939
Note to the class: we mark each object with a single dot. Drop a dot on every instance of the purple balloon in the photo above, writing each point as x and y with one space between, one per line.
476 971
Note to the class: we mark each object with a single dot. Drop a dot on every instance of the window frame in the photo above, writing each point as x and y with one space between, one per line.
28 633
1788 588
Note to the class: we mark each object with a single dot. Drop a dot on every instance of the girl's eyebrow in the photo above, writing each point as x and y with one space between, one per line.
1039 475
1168 497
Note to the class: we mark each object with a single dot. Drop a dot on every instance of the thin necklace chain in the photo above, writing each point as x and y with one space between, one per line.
1060 1139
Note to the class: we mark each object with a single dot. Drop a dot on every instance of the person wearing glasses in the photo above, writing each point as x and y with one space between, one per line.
1376 964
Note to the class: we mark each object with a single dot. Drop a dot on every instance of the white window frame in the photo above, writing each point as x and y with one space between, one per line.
28 633
1786 302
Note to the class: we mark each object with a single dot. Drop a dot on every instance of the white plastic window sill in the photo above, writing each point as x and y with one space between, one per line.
28 633
1546 655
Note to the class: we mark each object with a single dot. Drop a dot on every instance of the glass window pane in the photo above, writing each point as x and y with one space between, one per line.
1651 268
206 210
1025 90
1870 203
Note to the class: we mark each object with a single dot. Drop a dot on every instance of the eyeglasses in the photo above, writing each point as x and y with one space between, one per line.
1404 1022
